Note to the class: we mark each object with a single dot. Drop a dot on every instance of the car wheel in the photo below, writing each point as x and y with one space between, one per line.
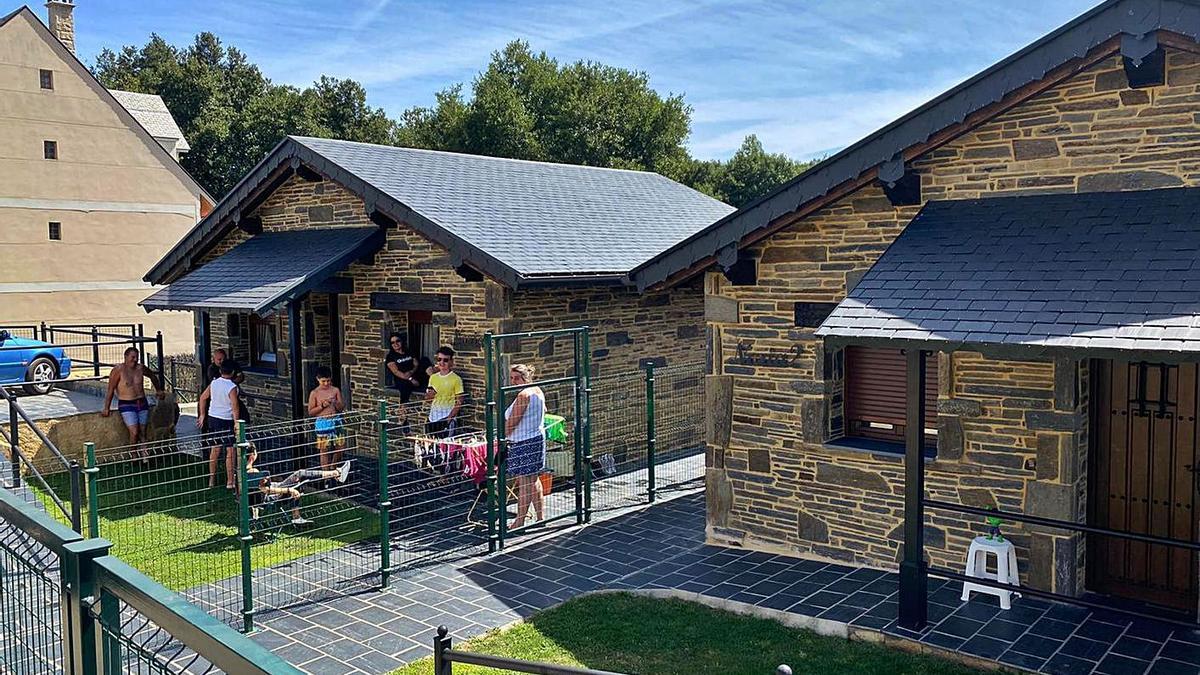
41 374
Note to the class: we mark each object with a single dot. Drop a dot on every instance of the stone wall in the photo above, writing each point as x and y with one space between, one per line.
1012 433
626 327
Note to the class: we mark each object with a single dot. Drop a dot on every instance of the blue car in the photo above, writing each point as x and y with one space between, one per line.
32 362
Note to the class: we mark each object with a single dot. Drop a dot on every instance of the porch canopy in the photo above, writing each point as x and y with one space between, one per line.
267 270
1114 273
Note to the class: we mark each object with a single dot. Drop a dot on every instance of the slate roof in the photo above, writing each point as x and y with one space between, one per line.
152 113
1104 271
518 221
267 269
1133 21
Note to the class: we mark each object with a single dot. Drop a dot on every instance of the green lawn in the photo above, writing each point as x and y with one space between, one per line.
632 634
163 519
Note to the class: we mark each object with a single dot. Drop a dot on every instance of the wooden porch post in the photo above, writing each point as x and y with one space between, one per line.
203 349
914 580
295 364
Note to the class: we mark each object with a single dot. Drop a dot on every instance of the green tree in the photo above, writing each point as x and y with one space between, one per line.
528 106
231 114
753 172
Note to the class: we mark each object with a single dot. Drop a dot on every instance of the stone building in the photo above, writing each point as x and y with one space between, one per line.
993 235
351 242
91 190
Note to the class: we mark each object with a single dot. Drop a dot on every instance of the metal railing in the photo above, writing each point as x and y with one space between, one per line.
17 459
71 607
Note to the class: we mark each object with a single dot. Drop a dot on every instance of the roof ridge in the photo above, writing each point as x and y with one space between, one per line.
473 155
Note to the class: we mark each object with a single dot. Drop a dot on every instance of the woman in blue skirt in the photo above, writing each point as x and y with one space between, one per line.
526 442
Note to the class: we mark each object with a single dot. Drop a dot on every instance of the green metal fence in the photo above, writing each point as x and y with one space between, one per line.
409 499
68 606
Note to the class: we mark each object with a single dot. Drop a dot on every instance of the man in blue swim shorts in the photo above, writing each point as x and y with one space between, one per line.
326 405
126 382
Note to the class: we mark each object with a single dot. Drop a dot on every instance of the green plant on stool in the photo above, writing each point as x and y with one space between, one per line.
994 523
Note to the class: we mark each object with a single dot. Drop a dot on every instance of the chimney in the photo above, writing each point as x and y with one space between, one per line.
62 24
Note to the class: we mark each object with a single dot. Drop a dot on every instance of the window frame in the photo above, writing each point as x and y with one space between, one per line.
49 149
886 435
54 230
256 362
46 77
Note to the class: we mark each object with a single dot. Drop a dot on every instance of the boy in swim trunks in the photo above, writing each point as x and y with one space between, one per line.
326 405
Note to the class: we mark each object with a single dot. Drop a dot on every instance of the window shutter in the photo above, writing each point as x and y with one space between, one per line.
875 393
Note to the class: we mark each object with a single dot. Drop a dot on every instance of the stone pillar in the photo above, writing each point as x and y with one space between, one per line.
62 21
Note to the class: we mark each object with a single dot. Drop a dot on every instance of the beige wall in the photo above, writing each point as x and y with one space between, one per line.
120 204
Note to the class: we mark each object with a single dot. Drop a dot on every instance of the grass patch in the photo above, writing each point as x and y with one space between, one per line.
632 634
164 520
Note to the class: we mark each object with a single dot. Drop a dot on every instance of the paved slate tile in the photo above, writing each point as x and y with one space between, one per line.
1036 645
330 665
1053 629
1116 664
843 613
984 647
372 661
824 599
959 627
297 653
361 630
872 622
396 645
315 636
943 640
1136 648
1170 667
1020 660
1084 648
1061 664
1099 630
1150 630
1181 651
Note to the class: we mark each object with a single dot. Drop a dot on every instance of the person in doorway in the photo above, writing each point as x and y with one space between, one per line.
523 429
446 394
326 405
402 368
220 356
218 419
287 491
126 381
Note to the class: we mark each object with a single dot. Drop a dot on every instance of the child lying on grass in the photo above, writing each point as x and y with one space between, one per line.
287 491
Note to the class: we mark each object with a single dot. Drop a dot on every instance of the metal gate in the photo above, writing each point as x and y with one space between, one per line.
568 493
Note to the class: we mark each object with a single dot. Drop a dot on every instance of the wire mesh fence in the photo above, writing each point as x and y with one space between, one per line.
133 643
172 508
30 592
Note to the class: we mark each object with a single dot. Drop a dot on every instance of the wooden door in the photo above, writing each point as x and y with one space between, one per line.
1143 480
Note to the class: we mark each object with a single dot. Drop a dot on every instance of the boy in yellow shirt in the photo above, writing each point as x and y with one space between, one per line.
446 394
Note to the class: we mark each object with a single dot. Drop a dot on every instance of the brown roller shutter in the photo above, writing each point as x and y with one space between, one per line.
874 394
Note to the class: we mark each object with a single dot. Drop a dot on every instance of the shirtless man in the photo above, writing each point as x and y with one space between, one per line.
126 381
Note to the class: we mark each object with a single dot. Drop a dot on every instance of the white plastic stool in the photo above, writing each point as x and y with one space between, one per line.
1006 569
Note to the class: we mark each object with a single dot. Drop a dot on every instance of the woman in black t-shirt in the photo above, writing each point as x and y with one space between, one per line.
401 369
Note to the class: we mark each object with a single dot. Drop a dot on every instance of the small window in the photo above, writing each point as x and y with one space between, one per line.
47 78
55 231
50 149
263 342
875 394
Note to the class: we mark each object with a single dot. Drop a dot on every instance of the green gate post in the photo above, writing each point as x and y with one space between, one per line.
490 437
93 488
79 587
110 621
587 427
385 504
578 431
244 531
501 466
650 431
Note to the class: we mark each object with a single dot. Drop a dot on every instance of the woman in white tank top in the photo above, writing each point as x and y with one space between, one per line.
526 442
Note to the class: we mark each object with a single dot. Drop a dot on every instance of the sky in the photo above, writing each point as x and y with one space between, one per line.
808 77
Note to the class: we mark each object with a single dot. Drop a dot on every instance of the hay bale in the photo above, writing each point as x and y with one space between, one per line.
70 433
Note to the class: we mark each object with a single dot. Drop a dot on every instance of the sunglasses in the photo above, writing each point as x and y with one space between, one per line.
395 342
442 359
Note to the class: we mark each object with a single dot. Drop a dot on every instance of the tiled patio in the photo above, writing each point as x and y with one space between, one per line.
661 547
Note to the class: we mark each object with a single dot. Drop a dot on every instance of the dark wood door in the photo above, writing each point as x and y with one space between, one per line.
1143 480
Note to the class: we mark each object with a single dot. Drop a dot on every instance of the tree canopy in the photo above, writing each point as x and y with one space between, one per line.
230 112
523 105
